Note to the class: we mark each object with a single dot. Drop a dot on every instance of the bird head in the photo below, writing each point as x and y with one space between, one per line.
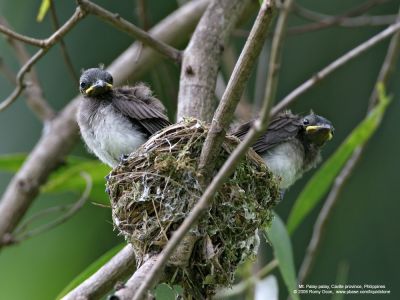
95 82
317 129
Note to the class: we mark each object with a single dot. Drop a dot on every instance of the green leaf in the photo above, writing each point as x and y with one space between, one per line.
11 162
323 178
68 178
90 270
44 7
164 291
280 240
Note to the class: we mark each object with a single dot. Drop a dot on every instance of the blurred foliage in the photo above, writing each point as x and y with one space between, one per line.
319 184
280 240
360 230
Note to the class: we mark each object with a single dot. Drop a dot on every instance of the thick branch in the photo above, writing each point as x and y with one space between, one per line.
63 132
201 58
230 98
136 32
97 285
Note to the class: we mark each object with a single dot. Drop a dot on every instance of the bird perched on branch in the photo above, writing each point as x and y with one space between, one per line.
291 145
116 121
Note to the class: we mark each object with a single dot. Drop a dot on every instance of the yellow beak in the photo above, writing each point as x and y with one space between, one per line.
320 128
93 87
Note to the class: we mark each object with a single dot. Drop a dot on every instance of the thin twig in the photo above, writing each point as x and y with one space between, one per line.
230 98
122 24
23 38
97 285
225 171
344 19
50 42
33 91
353 53
248 283
60 220
345 22
63 46
319 227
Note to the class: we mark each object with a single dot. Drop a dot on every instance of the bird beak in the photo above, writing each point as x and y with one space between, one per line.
98 88
319 134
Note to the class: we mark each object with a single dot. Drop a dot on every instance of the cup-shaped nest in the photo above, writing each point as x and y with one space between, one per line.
155 188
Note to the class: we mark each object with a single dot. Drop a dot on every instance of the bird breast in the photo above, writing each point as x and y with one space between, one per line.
286 161
107 133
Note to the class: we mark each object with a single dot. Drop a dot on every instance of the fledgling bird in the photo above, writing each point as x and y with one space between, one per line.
291 145
116 121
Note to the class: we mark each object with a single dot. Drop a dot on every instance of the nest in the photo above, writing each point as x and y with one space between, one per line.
155 188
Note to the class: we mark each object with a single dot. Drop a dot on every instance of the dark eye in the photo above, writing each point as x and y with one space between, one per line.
83 84
110 79
306 121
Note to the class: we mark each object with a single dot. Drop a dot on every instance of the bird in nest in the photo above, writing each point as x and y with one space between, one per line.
291 145
115 121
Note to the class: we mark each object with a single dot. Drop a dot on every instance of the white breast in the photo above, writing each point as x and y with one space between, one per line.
286 161
109 137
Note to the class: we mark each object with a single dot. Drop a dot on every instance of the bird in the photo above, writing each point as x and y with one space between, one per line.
291 145
115 121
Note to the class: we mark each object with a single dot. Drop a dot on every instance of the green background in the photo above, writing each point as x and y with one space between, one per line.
362 231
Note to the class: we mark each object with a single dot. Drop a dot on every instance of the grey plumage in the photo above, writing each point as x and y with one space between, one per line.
116 121
291 145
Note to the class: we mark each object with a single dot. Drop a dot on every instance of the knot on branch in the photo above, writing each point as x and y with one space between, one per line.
155 188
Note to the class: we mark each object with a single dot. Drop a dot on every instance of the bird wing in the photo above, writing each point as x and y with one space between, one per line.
282 128
143 109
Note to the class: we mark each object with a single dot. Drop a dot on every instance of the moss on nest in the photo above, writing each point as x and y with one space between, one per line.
155 188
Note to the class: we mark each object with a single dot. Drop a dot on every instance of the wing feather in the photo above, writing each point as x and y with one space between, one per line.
142 108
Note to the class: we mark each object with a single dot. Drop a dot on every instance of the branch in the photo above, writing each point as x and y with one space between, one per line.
9 239
56 143
122 24
96 286
49 43
63 46
248 283
344 19
132 285
200 65
355 52
390 61
234 90
33 91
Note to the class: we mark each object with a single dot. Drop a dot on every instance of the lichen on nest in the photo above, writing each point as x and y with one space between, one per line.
155 188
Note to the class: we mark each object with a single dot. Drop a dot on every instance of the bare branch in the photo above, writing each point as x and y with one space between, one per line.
12 239
58 141
23 38
96 286
33 91
201 58
319 227
355 52
63 46
50 42
230 98
131 29
131 286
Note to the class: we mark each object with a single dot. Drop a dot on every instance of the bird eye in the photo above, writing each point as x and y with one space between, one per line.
306 121
83 84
